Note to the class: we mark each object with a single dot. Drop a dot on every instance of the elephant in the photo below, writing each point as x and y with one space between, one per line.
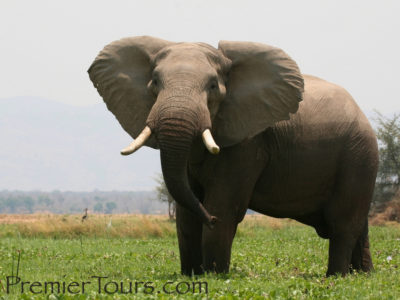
240 127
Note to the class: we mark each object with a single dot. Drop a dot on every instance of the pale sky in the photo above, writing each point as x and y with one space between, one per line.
47 46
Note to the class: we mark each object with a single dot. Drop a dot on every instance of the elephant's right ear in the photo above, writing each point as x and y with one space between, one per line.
120 74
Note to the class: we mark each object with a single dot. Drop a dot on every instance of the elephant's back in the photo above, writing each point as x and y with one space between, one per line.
328 111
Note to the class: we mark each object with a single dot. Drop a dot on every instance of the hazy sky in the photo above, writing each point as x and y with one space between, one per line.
47 46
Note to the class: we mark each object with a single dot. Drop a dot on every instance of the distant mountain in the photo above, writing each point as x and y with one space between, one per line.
48 145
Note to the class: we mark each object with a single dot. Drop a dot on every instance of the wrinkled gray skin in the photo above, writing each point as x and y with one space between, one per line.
292 145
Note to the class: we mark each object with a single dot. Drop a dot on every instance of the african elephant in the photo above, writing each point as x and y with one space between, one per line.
314 160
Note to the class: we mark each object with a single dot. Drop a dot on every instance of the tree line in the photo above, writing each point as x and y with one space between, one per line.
75 202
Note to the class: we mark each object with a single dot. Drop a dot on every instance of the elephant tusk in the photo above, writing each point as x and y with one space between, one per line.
209 142
138 142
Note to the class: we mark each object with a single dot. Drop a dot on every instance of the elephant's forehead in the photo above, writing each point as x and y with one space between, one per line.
200 47
190 51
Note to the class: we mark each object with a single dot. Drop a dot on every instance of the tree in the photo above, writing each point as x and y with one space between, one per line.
110 206
46 201
388 178
98 207
164 196
29 203
12 204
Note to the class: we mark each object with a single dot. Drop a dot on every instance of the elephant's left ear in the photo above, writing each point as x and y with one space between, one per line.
264 85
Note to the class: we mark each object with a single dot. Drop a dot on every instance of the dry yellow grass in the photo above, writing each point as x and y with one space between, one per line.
98 225
265 221
390 215
71 226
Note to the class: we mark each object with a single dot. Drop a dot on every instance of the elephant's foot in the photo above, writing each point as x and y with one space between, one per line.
190 270
216 265
361 258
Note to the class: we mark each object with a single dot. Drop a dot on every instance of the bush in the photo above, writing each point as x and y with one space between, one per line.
387 181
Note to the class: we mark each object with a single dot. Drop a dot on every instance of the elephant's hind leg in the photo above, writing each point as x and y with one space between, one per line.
347 253
361 256
340 251
346 215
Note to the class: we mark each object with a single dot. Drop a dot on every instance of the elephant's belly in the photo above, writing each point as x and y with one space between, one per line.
300 192
292 207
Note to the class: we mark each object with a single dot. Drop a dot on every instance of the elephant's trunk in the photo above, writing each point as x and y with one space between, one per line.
174 156
175 130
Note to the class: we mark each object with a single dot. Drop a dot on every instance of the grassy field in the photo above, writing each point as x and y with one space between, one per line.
271 259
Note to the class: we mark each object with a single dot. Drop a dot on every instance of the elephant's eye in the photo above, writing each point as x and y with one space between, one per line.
214 86
153 86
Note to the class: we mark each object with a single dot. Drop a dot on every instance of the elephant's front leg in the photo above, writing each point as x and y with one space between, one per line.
228 202
227 194
217 245
189 230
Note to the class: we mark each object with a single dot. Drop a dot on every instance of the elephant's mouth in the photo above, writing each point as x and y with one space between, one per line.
206 136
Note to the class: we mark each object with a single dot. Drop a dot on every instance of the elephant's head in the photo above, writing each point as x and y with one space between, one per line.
167 94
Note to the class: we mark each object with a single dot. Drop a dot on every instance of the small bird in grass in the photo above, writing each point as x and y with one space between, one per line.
85 216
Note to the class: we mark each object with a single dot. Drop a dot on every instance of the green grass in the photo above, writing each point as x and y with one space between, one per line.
277 260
